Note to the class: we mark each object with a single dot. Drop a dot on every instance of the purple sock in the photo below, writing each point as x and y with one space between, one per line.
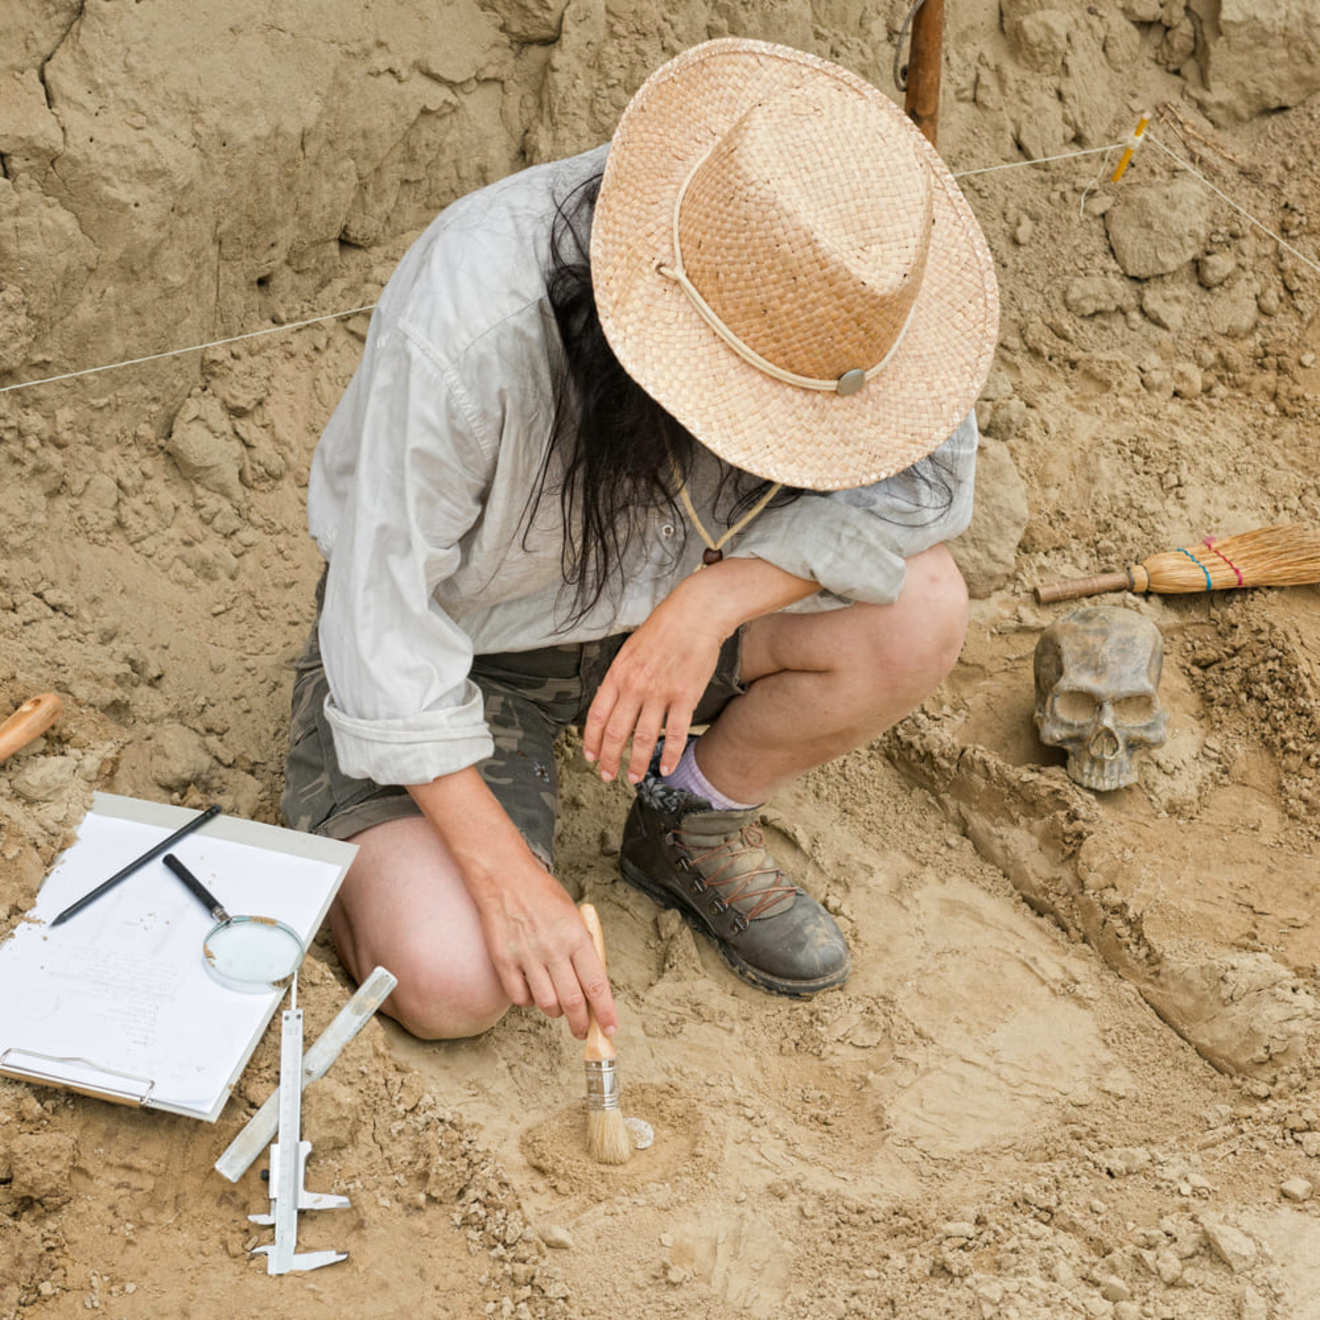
687 775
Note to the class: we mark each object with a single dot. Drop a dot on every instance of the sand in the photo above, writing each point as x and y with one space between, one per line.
1074 1070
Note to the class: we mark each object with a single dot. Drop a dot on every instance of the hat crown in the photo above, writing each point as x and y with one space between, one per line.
810 260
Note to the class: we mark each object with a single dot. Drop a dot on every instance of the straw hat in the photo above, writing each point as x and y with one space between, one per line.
784 263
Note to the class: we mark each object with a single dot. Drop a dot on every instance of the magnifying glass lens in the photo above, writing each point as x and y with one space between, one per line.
249 953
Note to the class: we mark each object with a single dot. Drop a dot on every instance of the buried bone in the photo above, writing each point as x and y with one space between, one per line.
1097 681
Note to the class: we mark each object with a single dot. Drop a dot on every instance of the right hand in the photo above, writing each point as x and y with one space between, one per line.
540 947
534 934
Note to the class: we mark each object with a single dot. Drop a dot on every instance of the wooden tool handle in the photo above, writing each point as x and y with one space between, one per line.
599 1046
1090 586
30 720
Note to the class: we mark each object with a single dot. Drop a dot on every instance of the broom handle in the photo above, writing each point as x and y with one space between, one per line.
1090 586
599 1045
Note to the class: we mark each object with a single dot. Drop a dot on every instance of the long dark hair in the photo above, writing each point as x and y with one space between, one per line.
623 455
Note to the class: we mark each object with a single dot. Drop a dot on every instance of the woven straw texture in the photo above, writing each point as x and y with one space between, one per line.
818 224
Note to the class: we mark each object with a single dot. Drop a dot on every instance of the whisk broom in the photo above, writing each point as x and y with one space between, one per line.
1287 556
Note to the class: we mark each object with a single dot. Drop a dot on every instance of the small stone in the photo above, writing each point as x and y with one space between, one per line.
1168 1267
45 778
676 1274
1113 1289
1310 1144
1157 227
1214 269
1097 1207
1165 307
666 1239
1268 302
1230 1244
1088 295
1307 360
1022 232
1187 382
1296 1189
556 1237
1098 1308
1127 1311
958 1229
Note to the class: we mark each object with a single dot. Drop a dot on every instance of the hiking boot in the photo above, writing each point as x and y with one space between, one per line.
714 868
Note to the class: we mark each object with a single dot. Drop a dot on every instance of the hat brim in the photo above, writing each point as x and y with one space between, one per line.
800 437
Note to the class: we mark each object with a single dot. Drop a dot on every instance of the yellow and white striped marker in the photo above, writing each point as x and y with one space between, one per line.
1133 142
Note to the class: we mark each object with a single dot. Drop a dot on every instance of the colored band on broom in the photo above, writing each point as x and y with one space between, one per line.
1286 556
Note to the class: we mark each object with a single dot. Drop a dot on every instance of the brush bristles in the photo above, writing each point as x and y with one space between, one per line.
608 1138
1268 557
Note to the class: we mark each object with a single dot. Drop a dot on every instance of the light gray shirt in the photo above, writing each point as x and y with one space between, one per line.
420 484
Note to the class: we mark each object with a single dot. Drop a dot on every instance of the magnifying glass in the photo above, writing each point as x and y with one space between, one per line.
250 954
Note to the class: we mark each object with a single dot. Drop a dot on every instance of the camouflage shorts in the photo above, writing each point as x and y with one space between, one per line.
530 696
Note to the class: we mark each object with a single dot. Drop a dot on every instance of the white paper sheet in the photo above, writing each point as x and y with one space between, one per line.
117 999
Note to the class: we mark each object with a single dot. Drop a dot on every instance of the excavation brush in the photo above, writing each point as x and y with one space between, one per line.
1287 556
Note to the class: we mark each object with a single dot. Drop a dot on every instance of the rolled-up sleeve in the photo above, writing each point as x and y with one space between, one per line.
401 706
856 542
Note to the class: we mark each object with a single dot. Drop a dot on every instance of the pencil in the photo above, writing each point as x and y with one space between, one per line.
163 846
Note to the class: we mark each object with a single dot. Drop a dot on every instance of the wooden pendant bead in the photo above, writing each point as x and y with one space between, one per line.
711 556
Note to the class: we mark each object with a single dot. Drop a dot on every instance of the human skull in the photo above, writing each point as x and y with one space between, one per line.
1097 681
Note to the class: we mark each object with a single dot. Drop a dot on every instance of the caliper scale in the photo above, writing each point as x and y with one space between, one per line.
288 1162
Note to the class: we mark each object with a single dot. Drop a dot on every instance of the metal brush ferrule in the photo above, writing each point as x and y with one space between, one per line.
602 1084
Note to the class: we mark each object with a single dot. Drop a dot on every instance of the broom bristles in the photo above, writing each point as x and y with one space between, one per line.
1286 556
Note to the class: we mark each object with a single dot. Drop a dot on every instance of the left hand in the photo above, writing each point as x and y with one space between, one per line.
653 687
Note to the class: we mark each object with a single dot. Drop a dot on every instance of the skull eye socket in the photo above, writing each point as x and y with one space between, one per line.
1137 709
1075 707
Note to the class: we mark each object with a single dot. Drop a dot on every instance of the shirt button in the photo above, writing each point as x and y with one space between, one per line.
667 530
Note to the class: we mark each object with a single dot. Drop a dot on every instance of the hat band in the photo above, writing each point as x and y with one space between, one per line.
849 383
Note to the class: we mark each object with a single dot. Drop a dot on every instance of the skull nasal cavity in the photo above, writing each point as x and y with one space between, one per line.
1104 742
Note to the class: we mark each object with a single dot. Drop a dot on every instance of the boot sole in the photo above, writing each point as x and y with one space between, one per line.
753 975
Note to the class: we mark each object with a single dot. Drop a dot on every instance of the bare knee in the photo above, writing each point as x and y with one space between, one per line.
445 1001
940 601
915 642
403 906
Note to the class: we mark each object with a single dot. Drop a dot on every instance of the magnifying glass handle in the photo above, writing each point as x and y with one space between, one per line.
199 891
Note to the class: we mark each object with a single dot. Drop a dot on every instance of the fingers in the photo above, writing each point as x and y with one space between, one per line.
596 986
602 706
544 993
643 741
572 1000
622 721
514 983
676 732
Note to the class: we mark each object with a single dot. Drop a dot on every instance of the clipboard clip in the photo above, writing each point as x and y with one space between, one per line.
75 1083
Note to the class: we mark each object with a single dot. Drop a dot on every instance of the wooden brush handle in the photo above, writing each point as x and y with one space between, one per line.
599 1046
1090 586
31 719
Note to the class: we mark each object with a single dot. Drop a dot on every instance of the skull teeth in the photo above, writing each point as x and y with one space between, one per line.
1103 776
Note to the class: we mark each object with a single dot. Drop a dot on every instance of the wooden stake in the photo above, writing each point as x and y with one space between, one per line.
924 57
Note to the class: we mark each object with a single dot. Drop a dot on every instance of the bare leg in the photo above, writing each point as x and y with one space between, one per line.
822 684
403 906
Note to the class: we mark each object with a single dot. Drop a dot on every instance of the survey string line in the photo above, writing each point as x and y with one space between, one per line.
1039 160
192 348
1283 242
957 174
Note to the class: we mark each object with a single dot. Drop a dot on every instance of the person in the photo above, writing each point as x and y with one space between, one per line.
662 439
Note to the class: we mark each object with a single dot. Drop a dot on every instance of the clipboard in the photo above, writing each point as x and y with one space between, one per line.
116 1003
